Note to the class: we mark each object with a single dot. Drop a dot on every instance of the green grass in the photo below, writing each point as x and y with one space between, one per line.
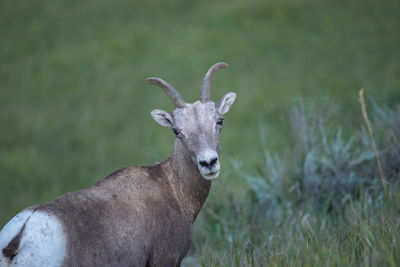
364 235
320 203
75 105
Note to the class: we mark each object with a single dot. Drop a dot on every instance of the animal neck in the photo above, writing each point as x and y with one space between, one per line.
189 187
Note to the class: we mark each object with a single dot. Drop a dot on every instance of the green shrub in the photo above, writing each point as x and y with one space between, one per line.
325 167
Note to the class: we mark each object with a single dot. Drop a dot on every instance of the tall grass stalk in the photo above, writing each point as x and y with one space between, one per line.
371 134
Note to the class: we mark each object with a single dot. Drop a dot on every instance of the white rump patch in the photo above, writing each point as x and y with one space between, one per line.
9 231
43 242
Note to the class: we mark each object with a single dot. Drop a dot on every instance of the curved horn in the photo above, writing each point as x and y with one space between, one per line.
205 85
169 89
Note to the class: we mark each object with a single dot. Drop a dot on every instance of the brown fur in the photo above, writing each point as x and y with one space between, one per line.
137 216
143 216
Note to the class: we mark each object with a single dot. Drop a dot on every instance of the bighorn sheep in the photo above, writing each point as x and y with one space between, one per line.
136 216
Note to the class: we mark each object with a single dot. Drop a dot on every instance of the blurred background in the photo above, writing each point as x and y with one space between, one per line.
75 106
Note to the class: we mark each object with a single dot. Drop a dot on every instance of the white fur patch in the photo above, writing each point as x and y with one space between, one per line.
10 230
43 241
207 172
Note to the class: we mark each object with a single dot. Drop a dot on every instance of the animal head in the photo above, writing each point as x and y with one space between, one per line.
197 125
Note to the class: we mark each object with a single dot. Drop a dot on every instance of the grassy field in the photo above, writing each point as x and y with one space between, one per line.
75 107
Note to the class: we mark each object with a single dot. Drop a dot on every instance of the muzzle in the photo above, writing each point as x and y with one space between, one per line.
208 164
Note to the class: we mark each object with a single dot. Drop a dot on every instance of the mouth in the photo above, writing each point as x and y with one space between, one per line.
211 175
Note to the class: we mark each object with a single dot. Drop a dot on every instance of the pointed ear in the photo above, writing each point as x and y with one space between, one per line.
162 117
225 103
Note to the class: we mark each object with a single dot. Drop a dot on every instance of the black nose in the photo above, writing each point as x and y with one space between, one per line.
209 163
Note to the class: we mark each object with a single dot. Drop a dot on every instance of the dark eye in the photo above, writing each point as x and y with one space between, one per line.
220 121
176 131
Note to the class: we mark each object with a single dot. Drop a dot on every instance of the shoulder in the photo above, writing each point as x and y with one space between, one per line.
136 174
